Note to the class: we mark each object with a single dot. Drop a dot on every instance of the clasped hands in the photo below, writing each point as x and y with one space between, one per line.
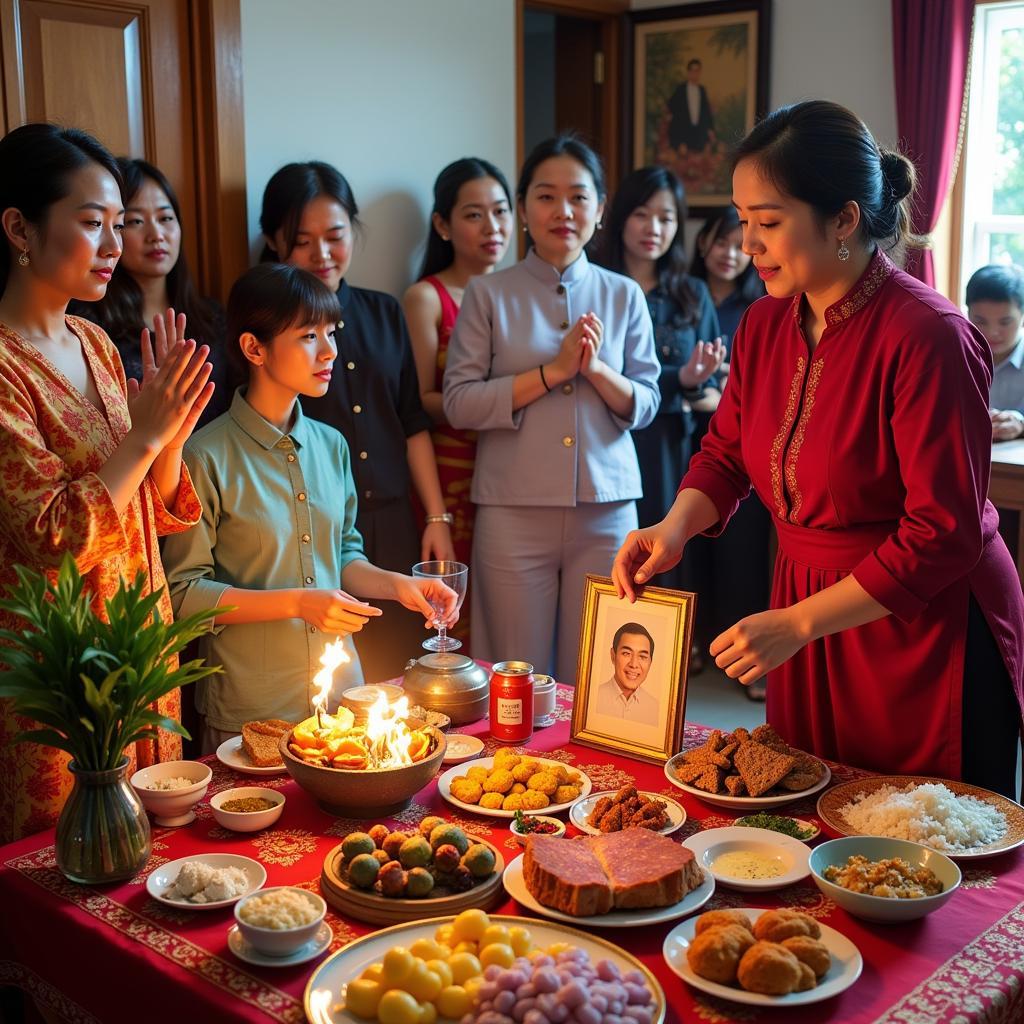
175 387
579 351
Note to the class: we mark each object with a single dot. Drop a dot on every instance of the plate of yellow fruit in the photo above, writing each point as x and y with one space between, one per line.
394 975
508 782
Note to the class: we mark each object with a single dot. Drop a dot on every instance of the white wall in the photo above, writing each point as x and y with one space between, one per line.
832 50
389 91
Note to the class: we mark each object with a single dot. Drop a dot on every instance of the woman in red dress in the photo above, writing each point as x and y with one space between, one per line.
471 224
857 409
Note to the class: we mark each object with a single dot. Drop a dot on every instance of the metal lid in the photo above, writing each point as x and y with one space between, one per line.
513 668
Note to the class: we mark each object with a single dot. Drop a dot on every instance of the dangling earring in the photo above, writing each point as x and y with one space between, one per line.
24 260
844 252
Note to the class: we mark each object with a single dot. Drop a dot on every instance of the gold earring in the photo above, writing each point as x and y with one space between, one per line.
445 238
844 252
24 260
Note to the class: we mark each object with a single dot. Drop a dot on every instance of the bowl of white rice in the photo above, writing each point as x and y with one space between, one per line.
883 909
281 920
171 789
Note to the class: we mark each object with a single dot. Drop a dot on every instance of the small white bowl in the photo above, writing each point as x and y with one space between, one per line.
788 854
172 807
246 821
280 941
883 909
521 836
462 748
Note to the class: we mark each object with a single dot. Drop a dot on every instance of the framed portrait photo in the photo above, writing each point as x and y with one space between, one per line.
631 676
698 82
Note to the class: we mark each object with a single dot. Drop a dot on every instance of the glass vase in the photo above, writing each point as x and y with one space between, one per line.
102 832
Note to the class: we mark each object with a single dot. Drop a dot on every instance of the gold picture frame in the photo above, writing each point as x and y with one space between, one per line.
631 682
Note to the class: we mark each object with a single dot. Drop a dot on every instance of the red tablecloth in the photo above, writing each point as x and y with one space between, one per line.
113 954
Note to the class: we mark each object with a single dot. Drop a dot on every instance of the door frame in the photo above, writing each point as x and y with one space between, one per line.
610 14
214 42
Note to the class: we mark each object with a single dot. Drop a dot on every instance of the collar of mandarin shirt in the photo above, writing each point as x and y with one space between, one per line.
547 274
263 433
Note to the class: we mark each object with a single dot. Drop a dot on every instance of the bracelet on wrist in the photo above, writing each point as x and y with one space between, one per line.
543 379
445 517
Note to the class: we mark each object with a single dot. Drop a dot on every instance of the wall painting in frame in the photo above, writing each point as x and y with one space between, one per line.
631 676
699 83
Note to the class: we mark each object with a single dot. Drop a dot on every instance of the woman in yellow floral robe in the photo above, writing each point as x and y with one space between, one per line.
55 438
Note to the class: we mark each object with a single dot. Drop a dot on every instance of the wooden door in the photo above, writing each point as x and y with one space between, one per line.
156 79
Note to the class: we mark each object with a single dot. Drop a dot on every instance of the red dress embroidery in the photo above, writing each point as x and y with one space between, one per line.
52 502
872 452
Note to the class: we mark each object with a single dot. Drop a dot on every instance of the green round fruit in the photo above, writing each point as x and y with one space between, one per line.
356 843
449 834
415 853
479 859
418 883
363 870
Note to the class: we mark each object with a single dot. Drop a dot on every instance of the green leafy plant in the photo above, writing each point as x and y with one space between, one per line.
90 683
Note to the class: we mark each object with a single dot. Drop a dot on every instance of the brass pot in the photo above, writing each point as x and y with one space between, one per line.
452 684
368 792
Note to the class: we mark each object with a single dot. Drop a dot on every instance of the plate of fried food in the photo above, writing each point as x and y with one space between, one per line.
508 782
256 751
762 957
747 771
615 810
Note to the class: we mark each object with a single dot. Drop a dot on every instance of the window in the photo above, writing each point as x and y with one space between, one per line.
993 225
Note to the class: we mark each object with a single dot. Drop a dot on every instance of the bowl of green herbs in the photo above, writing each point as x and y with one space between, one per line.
795 827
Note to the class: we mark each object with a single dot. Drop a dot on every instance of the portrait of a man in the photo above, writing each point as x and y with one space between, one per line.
623 695
691 125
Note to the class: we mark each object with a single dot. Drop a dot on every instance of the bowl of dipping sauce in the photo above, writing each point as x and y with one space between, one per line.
247 808
884 880
279 921
751 859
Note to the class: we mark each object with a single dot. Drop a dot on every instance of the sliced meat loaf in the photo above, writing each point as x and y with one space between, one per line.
645 869
566 875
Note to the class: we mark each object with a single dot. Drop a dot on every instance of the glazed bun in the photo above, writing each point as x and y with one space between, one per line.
899 174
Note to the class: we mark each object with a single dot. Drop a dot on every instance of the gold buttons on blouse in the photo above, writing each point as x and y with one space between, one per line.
312 629
568 441
566 389
309 579
364 455
351 366
564 325
301 495
305 538
357 409
291 458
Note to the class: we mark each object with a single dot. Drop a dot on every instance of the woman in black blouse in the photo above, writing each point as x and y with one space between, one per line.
151 277
308 218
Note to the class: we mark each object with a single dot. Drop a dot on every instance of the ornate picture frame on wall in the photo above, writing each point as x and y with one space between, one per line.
697 80
632 670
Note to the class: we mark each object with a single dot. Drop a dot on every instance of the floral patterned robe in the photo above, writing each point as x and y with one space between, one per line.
52 442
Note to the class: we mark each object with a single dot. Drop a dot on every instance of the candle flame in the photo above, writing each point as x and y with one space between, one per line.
333 656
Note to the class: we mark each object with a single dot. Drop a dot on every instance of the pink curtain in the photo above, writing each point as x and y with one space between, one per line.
931 48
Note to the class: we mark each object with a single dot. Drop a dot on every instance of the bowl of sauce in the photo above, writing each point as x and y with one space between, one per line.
750 859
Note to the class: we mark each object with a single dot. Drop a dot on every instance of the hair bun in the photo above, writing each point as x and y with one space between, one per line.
899 174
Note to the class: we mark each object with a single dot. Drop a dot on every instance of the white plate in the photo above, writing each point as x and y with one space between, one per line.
515 885
162 878
845 970
444 787
741 803
803 823
230 752
790 851
323 991
461 748
580 811
317 945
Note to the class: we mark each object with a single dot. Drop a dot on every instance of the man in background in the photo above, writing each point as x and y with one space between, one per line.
691 126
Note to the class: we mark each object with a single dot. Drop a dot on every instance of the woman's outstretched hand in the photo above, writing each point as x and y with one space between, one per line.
643 554
758 643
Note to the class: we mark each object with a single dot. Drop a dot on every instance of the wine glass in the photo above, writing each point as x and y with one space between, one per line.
454 575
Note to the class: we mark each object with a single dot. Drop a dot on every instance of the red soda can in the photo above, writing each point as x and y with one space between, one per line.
512 701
